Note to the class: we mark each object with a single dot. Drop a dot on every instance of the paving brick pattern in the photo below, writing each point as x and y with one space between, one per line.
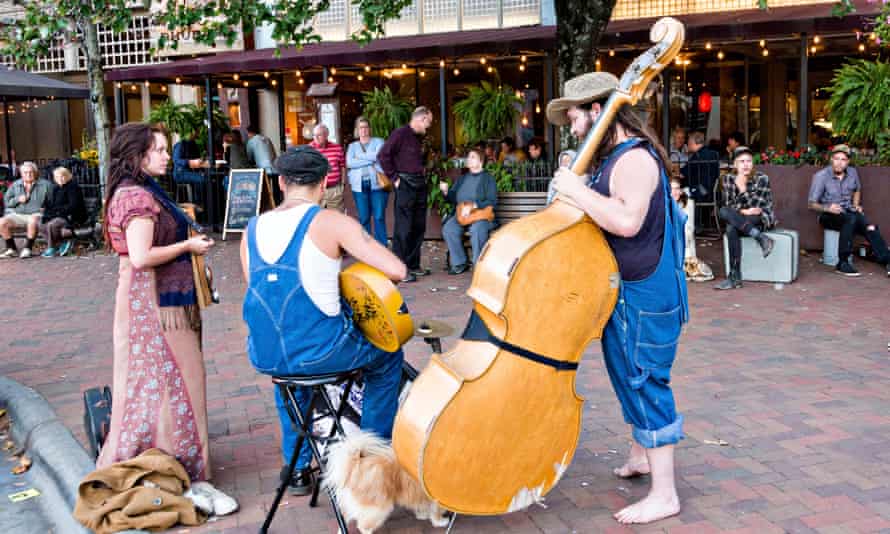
795 379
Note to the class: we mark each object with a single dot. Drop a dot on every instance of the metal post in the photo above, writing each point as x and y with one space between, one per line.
748 104
8 138
211 157
443 111
803 128
281 118
666 109
324 75
550 130
119 110
416 86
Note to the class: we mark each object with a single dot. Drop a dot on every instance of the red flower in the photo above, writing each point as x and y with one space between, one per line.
781 152
796 154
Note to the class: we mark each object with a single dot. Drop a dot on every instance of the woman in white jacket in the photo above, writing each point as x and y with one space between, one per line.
362 165
696 270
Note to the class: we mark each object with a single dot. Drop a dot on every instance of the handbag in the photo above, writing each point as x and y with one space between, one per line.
383 180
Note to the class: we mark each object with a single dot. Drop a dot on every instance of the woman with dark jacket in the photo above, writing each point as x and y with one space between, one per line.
475 190
63 208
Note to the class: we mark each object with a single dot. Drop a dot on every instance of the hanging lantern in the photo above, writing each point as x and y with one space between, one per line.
704 102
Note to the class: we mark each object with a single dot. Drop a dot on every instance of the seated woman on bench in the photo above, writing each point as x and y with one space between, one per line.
747 210
474 194
296 323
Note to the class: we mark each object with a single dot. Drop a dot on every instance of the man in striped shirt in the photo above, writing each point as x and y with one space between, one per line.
333 195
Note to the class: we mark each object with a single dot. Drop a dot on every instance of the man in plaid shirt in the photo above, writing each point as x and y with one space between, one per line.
747 210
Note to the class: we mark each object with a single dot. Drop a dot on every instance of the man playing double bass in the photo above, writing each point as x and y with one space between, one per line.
628 196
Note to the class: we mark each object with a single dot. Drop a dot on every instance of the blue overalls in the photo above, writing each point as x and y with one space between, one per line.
640 340
289 335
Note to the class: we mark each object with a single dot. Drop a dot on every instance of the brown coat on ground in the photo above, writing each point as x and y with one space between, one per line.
141 493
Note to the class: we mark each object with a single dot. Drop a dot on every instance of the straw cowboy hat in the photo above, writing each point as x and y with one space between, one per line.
580 90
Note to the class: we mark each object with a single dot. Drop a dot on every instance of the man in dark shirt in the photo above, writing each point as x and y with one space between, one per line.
835 193
702 170
401 158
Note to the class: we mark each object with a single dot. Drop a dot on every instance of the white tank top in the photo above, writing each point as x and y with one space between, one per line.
319 273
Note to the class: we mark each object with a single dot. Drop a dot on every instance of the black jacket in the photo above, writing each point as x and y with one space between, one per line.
66 202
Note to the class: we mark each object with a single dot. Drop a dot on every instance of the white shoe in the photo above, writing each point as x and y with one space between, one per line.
25 253
8 253
202 502
222 503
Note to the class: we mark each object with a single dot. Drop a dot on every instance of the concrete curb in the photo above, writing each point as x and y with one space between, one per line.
60 462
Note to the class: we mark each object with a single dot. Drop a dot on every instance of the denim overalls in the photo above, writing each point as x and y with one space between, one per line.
289 335
640 340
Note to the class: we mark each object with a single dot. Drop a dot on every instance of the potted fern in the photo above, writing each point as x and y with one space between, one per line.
487 111
860 101
386 111
186 119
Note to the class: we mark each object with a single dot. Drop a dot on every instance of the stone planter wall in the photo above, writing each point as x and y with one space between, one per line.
791 186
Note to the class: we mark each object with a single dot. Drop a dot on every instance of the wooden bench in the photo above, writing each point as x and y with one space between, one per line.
512 206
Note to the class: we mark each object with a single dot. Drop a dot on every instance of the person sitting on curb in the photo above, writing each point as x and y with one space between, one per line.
747 210
475 190
837 195
24 207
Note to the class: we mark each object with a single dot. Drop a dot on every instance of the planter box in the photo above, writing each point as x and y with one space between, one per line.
791 186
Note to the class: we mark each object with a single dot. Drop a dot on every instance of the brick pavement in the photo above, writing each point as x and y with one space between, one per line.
794 378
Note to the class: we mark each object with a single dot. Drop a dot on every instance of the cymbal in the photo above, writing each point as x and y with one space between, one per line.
433 328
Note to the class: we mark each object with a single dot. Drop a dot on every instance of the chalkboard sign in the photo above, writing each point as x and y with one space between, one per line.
249 193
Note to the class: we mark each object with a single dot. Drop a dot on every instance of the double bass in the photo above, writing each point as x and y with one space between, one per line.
490 426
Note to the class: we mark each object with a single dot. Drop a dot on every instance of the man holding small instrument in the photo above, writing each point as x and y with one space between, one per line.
474 195
291 258
629 198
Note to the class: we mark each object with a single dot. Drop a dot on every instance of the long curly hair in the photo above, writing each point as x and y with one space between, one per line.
129 146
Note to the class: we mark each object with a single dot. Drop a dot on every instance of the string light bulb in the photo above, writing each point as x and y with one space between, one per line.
330 79
245 83
266 75
299 74
861 47
817 39
490 69
360 77
456 71
720 55
178 80
333 71
522 68
813 50
537 108
147 84
274 83
708 45
219 85
441 62
523 58
236 77
367 68
118 85
302 81
422 74
765 52
483 60
611 52
163 88
762 43
404 66
524 120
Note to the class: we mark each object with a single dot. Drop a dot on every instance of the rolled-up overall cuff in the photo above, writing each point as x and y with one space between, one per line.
666 435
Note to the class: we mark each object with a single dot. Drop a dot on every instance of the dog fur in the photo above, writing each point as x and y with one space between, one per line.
368 482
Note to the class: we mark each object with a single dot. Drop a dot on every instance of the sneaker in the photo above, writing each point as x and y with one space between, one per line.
48 253
25 253
766 244
420 272
458 269
9 253
66 247
301 482
846 269
410 278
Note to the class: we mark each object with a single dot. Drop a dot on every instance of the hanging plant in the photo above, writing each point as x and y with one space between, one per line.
487 111
386 111
859 106
187 119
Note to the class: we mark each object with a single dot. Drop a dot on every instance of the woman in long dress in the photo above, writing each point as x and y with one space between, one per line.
159 398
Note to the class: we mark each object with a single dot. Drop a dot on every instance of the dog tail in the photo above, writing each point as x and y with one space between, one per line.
345 456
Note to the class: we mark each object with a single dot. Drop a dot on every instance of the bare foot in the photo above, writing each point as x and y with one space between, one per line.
652 508
633 468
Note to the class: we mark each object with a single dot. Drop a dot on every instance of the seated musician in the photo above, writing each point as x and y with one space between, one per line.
475 190
296 322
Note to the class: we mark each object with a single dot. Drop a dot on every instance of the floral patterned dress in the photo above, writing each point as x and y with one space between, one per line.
159 397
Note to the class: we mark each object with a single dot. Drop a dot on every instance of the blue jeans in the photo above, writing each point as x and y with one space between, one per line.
371 204
639 348
382 373
453 233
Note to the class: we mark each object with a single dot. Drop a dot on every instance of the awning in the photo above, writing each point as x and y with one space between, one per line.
410 48
750 23
22 85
